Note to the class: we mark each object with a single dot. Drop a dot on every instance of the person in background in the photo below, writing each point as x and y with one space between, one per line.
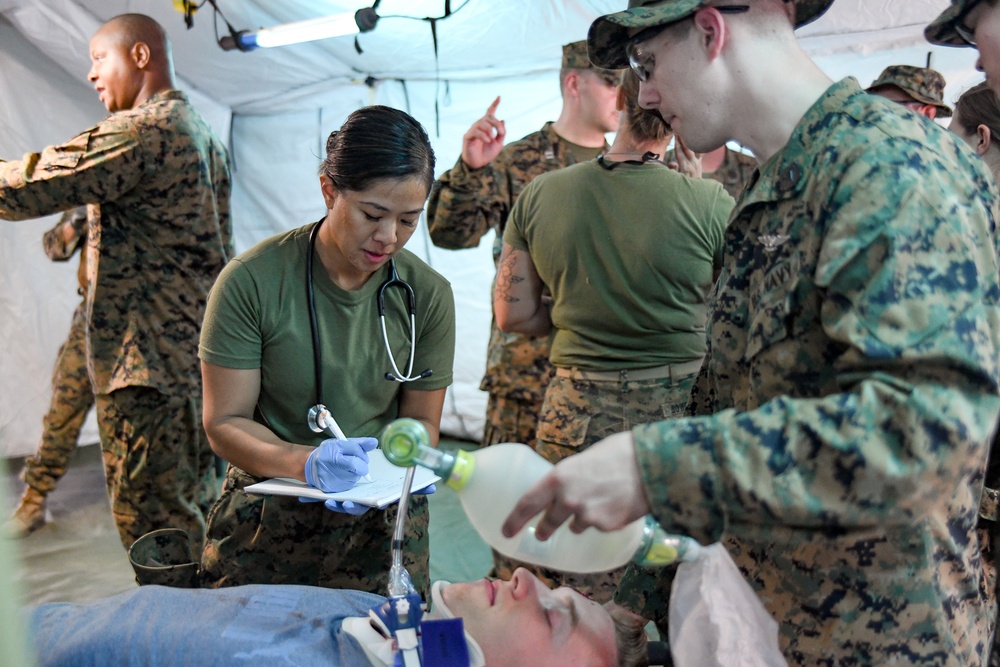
919 89
629 250
72 394
476 196
838 432
303 308
977 114
157 179
732 168
729 167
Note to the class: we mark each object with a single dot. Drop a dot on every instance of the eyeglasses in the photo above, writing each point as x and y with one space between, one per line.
642 61
963 31
912 105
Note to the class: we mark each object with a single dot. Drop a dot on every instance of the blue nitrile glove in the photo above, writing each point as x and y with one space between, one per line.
343 506
337 465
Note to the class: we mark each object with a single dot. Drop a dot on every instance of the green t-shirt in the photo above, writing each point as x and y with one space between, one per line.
258 317
628 254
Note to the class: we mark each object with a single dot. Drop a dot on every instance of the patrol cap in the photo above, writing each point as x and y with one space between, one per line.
609 34
942 29
574 56
921 83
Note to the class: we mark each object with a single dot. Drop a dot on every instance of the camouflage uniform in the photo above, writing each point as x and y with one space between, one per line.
850 391
280 540
734 172
72 394
161 233
464 205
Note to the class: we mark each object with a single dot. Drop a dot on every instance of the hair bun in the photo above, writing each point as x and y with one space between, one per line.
331 141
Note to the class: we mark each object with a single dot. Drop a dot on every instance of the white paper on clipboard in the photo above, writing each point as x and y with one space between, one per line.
385 488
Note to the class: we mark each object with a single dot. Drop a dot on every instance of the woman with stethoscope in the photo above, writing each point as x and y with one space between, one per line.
333 313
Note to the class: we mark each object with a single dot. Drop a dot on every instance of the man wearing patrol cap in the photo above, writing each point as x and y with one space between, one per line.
476 196
839 428
920 89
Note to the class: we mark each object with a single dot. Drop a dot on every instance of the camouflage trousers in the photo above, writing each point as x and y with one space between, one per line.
510 420
581 409
158 465
256 539
72 398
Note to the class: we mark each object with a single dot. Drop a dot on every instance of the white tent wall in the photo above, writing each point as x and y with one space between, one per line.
40 104
284 102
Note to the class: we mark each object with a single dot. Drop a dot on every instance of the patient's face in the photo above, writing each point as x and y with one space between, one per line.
523 622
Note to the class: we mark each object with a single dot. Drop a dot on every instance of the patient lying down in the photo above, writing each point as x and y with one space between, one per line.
516 622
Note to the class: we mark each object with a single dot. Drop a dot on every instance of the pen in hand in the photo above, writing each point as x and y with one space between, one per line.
327 421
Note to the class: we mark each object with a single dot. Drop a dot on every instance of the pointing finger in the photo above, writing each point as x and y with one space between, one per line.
492 109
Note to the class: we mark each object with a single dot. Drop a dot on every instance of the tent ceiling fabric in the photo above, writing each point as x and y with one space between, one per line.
481 39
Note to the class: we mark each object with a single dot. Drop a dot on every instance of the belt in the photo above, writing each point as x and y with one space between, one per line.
634 374
989 506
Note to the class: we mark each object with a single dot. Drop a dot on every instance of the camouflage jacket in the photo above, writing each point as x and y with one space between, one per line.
734 172
160 236
850 391
467 203
59 247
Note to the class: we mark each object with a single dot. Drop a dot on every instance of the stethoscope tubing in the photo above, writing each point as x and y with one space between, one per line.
392 281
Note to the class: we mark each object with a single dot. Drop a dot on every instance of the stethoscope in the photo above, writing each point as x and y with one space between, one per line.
319 416
320 419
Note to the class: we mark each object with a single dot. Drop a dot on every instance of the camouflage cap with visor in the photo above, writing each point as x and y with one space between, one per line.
923 84
609 34
942 30
574 56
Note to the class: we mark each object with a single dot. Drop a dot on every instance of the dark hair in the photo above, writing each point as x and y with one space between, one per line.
978 106
646 124
377 142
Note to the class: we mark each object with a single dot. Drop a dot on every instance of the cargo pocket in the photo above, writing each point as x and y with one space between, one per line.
561 434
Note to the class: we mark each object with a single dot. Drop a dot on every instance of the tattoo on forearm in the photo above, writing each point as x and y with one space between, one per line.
507 279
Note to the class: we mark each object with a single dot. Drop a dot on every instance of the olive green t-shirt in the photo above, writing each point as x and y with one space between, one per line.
258 317
628 254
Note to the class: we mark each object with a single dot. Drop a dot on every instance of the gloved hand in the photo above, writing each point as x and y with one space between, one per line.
337 465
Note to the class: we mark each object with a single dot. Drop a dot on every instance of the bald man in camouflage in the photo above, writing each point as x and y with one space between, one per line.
159 178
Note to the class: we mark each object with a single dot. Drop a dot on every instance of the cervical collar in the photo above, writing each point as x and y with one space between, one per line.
376 641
